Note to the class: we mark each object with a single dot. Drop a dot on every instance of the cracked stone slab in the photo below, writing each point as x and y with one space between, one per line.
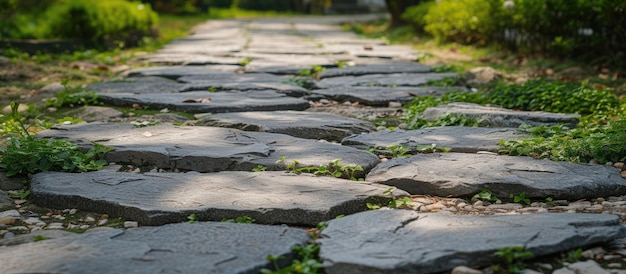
242 82
362 113
207 149
271 197
461 174
404 241
382 68
186 59
455 138
205 101
175 72
382 96
501 117
139 85
393 52
385 80
206 247
306 125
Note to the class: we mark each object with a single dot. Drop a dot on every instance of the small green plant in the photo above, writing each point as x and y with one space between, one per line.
191 219
431 148
259 168
520 198
313 72
73 96
403 202
38 238
333 169
513 257
445 82
485 195
574 255
19 194
212 89
245 61
399 151
240 220
549 201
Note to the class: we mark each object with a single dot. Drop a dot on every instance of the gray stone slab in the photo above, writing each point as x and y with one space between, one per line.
175 72
306 125
384 68
395 79
460 174
271 197
242 82
137 85
191 59
258 100
501 117
395 52
382 96
403 241
176 248
207 149
363 113
457 139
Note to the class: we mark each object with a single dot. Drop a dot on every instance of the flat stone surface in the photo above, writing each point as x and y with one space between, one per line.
307 125
207 149
137 85
175 72
242 82
383 68
95 114
205 101
501 117
189 59
363 113
460 174
177 248
382 96
403 241
455 138
393 52
271 197
385 80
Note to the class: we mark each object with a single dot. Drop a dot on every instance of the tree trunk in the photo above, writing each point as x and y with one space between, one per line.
396 8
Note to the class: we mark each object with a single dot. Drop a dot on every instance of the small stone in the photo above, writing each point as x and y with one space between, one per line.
508 206
8 235
600 200
131 224
3 227
18 228
44 217
89 219
611 257
530 271
103 222
55 226
461 205
614 265
324 101
395 105
618 165
594 162
478 203
84 227
465 270
66 211
7 220
560 202
403 126
544 266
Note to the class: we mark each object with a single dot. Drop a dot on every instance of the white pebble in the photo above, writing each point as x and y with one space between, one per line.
90 219
395 105
73 211
130 224
84 227
103 222
55 226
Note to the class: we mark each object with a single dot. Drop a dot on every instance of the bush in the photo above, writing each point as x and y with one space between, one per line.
416 14
463 21
111 22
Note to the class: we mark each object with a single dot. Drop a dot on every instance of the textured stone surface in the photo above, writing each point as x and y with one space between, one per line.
205 101
175 72
457 139
383 68
460 174
306 125
137 85
176 248
382 96
500 117
207 149
95 114
271 197
243 82
385 80
402 241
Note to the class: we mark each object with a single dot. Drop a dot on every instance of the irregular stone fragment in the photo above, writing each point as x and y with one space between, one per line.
95 113
382 96
403 241
382 68
385 80
176 248
207 149
205 101
455 138
306 125
500 117
459 174
137 85
270 197
243 82
175 72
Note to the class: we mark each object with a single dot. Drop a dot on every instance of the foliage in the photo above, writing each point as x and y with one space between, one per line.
520 198
259 168
72 96
307 261
334 169
38 238
573 256
414 110
20 194
112 22
464 21
415 14
513 257
192 218
485 195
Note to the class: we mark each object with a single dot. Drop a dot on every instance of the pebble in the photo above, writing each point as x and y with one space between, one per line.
8 235
90 219
3 227
103 222
131 224
84 227
9 213
614 265
465 270
478 203
55 226
18 228
7 220
395 104
73 211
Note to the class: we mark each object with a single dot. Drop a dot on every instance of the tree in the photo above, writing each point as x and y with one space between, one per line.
396 8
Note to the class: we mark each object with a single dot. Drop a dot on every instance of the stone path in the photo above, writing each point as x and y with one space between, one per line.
244 81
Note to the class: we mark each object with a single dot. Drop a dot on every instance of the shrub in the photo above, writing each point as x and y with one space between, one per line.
416 14
463 21
108 22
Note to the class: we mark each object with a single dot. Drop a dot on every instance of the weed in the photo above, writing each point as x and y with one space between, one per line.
19 194
333 169
313 72
520 198
549 201
72 96
513 257
38 238
485 195
400 203
445 82
399 151
574 255
212 89
240 220
259 168
245 61
192 218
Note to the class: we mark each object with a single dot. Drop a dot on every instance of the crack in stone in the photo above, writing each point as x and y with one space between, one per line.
405 223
